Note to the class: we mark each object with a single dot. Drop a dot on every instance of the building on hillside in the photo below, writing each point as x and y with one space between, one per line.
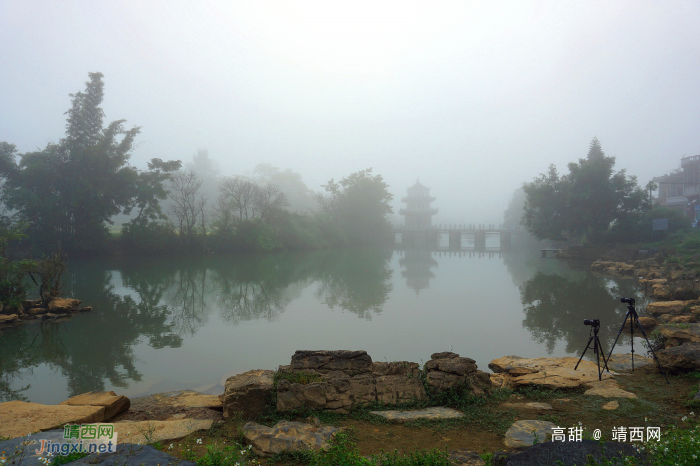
680 189
418 214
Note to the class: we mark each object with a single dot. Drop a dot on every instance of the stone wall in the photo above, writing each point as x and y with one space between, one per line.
351 378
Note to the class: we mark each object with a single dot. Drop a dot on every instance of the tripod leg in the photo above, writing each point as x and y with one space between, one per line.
618 334
651 349
596 350
584 352
602 351
632 337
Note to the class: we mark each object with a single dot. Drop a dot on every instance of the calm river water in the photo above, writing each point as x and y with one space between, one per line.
178 323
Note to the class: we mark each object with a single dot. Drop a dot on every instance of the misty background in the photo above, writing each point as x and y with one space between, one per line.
473 98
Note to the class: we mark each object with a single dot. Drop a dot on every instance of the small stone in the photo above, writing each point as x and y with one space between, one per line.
542 406
287 436
611 405
466 458
428 413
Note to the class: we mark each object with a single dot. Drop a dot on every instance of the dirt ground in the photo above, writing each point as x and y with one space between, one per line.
658 405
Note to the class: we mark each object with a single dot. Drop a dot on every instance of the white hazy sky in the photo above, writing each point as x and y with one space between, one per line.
472 97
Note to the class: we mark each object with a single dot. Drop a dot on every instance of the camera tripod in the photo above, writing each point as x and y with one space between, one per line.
634 319
597 347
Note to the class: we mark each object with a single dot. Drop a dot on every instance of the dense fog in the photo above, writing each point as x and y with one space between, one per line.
472 98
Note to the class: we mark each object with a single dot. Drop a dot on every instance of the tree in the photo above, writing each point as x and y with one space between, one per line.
586 201
186 207
299 196
68 192
360 203
248 200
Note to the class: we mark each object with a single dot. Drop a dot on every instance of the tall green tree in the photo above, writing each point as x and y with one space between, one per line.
69 191
586 201
360 205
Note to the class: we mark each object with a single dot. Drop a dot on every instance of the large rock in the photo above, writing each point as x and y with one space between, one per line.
31 303
573 453
607 389
619 269
647 323
547 372
523 433
623 362
19 418
396 368
448 370
677 335
683 358
392 389
667 307
112 403
682 319
158 431
57 305
248 393
180 399
24 448
287 436
388 382
125 454
8 319
350 362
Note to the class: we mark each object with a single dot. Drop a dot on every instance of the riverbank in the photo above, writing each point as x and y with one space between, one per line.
488 421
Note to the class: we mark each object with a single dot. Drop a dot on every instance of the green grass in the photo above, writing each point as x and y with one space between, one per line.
63 459
343 452
224 456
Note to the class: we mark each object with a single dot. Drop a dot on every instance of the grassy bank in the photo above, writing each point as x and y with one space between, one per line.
368 439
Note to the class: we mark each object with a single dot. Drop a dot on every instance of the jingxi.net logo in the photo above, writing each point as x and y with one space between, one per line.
83 438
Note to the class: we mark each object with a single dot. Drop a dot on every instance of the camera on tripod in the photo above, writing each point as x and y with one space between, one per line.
594 322
629 301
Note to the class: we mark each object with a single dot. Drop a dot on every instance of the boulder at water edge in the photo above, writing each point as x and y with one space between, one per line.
112 403
247 393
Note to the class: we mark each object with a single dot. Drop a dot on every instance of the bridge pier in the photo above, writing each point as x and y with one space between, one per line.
455 240
480 240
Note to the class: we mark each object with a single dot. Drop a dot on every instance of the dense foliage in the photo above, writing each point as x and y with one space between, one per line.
68 192
585 202
359 203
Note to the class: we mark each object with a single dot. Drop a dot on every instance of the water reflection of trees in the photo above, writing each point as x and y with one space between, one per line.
91 348
356 281
555 307
161 302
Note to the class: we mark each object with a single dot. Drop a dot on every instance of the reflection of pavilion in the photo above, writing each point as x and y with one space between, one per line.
418 263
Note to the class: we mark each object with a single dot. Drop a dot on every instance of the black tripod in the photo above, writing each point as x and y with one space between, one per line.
597 347
634 319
